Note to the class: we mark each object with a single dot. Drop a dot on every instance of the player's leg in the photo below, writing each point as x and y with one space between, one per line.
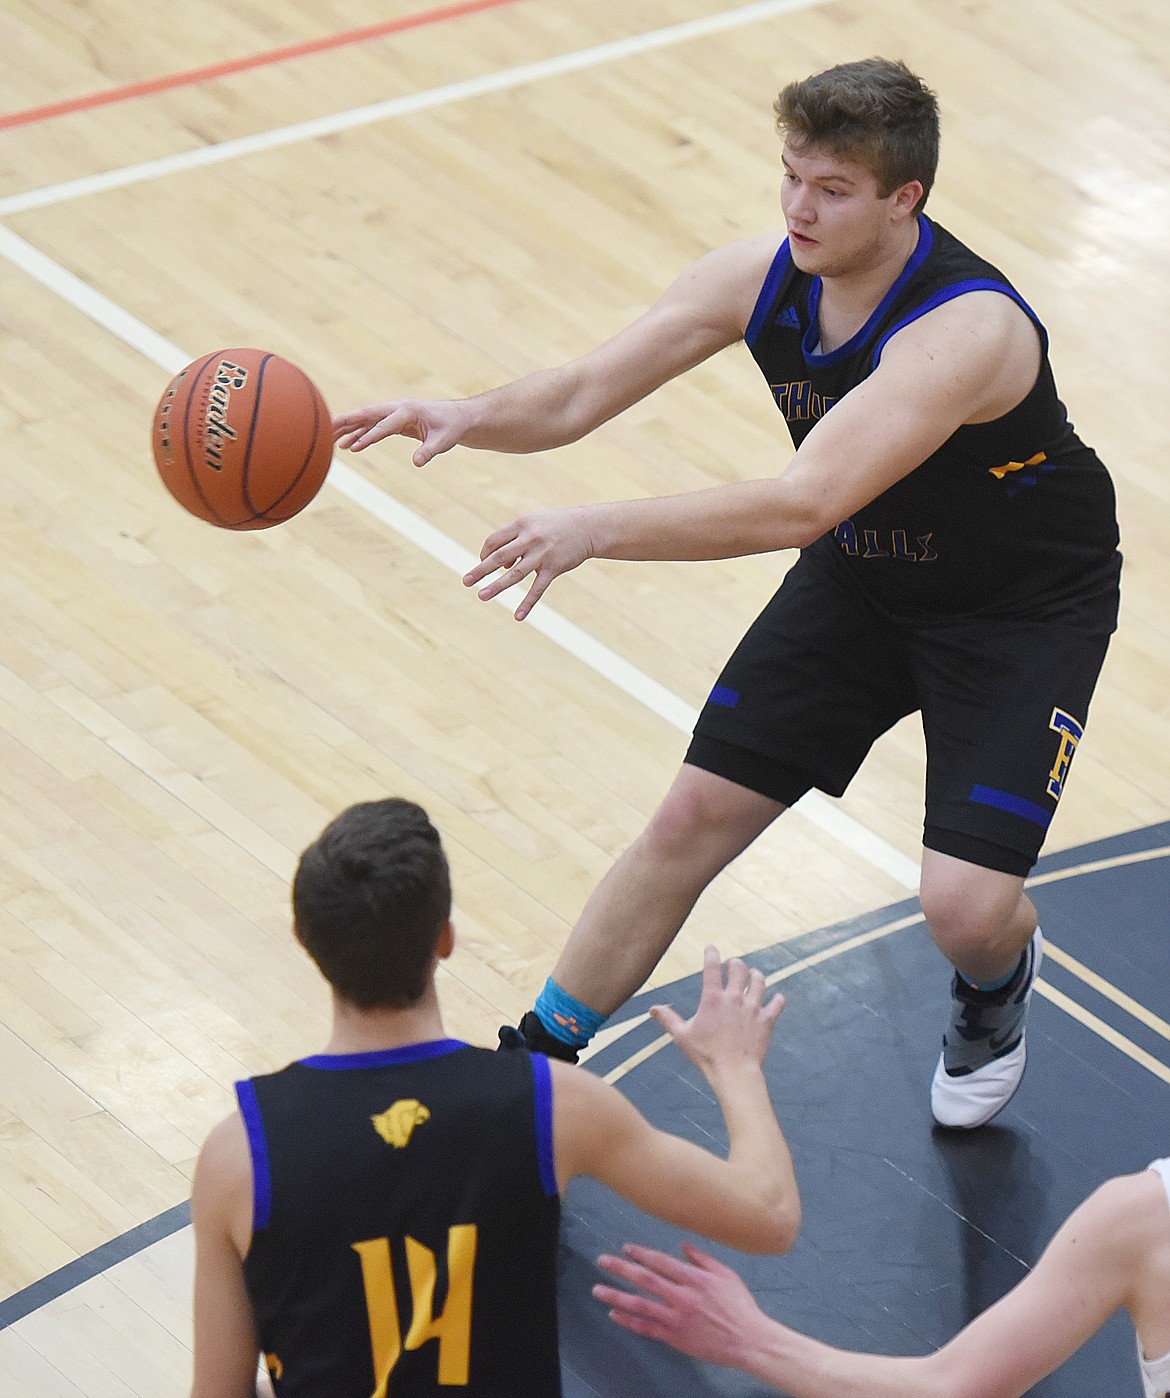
1003 705
799 704
986 926
703 823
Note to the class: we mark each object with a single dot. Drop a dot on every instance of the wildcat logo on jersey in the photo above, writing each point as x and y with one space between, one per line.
797 401
396 1124
1070 732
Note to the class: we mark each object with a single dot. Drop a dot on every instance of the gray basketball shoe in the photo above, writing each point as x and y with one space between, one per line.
985 1046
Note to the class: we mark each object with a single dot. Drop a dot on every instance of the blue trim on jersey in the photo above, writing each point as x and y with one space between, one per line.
542 1102
258 1146
1016 805
725 697
813 334
948 293
383 1058
767 293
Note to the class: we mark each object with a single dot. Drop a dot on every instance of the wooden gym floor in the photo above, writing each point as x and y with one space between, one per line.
433 209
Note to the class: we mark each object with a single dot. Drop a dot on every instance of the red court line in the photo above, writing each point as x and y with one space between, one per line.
246 64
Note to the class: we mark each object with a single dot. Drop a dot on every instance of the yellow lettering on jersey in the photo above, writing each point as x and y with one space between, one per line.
452 1329
1070 733
381 1308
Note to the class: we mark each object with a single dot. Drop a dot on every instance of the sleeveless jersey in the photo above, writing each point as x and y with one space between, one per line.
1014 516
1156 1372
405 1218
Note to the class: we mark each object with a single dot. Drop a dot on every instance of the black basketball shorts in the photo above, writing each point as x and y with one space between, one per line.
823 672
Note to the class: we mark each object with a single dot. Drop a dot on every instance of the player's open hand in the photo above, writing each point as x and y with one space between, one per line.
437 426
733 1024
548 543
701 1307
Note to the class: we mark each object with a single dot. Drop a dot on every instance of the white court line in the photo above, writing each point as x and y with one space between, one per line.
820 812
503 81
815 808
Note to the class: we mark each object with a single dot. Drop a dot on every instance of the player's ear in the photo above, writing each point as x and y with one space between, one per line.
907 197
446 943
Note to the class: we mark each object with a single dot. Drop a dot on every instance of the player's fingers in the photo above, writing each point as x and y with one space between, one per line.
501 539
712 969
539 586
503 581
774 1008
629 1303
637 1325
669 1019
737 976
434 443
650 1261
754 993
705 1262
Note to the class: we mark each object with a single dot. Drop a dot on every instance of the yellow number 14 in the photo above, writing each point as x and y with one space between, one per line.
452 1329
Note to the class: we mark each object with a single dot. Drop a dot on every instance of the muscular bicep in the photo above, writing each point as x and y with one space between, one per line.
967 361
703 311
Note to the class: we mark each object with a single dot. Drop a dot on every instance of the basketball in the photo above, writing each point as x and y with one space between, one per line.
242 439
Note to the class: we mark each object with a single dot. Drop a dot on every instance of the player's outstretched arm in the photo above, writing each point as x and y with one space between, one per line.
703 311
1096 1263
969 360
226 1350
748 1200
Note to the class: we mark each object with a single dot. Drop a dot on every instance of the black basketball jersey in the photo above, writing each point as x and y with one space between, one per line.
405 1217
1015 515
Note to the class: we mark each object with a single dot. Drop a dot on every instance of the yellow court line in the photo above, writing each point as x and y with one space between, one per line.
1062 958
805 964
1105 1031
1109 991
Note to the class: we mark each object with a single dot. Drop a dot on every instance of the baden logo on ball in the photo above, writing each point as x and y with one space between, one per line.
242 439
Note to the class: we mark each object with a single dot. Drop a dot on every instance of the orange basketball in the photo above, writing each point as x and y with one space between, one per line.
242 439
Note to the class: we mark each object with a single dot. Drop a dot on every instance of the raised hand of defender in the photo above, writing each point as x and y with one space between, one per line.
438 425
733 1024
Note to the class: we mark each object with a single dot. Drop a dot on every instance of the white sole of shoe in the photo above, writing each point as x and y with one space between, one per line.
972 1100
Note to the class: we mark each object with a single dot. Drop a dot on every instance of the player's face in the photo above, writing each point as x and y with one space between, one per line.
838 223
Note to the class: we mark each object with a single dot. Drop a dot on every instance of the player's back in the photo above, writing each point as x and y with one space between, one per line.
405 1223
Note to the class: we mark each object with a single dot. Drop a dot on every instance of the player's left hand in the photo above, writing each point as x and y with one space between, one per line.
547 543
701 1307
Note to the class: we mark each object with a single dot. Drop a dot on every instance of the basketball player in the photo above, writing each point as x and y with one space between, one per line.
958 557
1113 1252
381 1218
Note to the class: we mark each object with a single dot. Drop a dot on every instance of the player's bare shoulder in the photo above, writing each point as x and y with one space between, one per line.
983 341
725 283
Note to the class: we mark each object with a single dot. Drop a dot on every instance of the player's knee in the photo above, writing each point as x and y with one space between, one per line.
703 818
965 922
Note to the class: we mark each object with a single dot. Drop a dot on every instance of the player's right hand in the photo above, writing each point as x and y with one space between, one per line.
436 425
733 1024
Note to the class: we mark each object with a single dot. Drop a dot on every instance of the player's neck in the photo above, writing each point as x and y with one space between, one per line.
852 296
367 1031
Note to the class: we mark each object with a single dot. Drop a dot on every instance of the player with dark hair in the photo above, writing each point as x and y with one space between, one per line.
381 1218
958 558
1112 1253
